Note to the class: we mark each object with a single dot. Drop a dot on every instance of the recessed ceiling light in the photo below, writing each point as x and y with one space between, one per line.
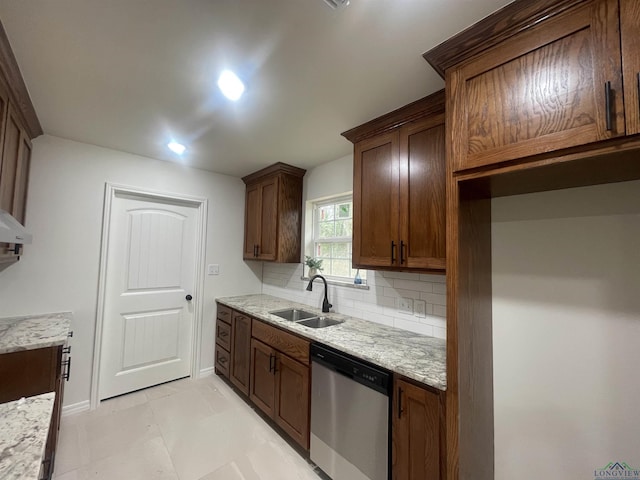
231 86
335 4
176 147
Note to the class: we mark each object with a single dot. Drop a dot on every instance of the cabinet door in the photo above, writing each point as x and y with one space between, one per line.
376 201
263 380
22 178
422 194
240 351
416 437
10 160
540 91
267 248
292 399
251 221
629 27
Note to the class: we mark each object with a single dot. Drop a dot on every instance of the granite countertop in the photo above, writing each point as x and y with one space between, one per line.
34 331
415 356
25 426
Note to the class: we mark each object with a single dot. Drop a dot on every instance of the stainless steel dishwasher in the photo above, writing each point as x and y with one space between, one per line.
349 416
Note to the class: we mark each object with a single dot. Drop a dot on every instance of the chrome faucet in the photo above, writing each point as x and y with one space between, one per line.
325 303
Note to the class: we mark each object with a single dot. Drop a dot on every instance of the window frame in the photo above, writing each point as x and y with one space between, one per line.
316 205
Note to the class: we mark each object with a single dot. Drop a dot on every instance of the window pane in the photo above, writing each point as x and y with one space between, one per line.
341 268
325 213
327 229
323 250
344 210
344 228
341 250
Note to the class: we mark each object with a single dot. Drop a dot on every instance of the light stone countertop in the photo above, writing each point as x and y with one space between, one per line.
415 356
25 426
34 331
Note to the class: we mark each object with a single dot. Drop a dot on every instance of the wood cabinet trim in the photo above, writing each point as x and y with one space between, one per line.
430 105
18 91
510 20
275 169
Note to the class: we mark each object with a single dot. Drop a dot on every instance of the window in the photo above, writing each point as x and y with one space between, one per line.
332 233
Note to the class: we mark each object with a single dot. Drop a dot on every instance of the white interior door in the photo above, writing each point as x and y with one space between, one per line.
150 272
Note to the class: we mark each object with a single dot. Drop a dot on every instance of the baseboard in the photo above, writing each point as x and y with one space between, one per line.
205 372
76 408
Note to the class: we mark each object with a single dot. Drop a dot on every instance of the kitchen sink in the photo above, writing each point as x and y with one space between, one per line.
294 315
319 322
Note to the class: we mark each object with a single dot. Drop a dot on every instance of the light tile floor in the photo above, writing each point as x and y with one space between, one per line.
183 430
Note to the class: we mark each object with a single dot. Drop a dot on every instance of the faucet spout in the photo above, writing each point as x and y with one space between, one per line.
325 303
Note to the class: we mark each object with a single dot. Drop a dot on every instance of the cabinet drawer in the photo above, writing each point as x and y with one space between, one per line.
295 347
224 313
223 334
222 361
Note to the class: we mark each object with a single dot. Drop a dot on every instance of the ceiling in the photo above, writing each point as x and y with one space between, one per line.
132 75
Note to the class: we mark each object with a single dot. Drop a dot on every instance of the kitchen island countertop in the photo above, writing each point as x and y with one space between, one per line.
418 357
34 331
25 426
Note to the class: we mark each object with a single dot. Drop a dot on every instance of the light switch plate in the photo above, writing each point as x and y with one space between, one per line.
213 269
405 305
420 308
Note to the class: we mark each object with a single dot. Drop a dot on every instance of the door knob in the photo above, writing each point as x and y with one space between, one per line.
189 298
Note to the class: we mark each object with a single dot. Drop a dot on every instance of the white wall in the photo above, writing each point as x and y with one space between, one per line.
379 303
566 319
59 271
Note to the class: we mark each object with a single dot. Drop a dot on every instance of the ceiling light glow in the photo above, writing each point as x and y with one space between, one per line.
230 85
176 147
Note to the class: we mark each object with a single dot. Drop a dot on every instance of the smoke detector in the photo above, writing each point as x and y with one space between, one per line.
335 4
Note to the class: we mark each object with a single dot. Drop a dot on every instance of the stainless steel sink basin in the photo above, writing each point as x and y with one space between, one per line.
319 322
293 314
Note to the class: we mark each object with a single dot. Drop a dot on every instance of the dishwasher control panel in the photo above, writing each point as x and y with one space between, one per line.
360 371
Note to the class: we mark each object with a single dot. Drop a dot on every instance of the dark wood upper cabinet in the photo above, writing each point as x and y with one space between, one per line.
629 26
540 77
18 125
273 214
399 188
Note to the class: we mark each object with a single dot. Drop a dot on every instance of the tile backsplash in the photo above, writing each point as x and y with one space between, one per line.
380 303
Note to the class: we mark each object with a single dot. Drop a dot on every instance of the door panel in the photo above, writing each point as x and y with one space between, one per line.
269 220
148 323
10 158
263 381
375 200
416 434
422 199
241 351
541 91
629 26
252 221
292 403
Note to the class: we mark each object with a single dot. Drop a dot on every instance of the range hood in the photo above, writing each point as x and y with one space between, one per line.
11 231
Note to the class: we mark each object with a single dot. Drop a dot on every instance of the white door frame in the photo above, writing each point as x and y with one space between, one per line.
201 203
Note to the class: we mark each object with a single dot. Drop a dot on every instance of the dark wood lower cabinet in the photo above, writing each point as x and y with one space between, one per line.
292 398
33 372
416 442
280 388
263 385
240 351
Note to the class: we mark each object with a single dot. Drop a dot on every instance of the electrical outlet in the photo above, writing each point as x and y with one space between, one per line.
213 269
420 308
405 305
